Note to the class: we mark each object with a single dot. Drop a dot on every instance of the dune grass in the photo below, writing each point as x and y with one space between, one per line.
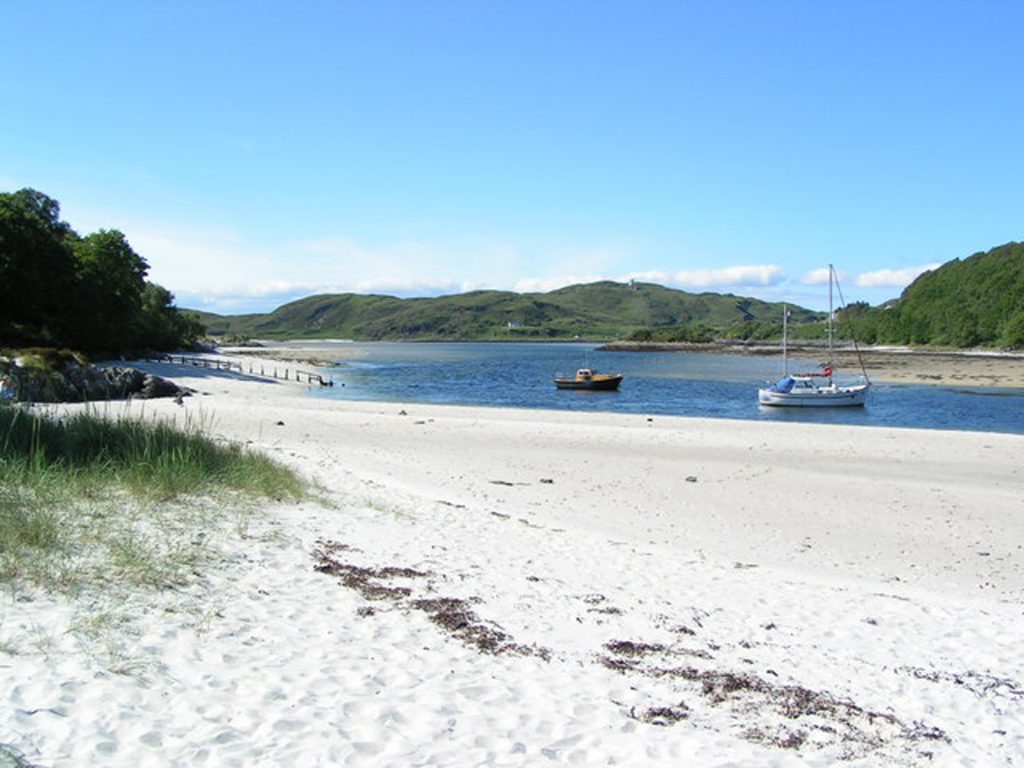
148 459
89 499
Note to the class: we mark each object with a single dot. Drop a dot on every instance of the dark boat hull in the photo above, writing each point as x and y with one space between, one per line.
603 384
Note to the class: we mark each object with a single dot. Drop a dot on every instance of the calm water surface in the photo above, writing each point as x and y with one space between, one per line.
669 383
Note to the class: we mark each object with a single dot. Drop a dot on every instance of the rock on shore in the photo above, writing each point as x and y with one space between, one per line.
77 384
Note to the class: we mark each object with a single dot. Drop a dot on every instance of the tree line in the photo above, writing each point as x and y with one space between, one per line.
973 302
60 289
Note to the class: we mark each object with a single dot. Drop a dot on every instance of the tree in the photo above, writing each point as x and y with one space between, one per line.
59 289
110 281
161 325
36 268
1013 332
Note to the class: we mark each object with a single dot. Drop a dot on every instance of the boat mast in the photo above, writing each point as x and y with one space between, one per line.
785 338
831 273
856 346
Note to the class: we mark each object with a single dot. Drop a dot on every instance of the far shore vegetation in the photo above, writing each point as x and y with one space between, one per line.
88 502
974 302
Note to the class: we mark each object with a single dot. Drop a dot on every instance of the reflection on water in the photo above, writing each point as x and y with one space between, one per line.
669 383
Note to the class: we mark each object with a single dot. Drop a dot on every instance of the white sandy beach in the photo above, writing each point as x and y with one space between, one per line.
489 587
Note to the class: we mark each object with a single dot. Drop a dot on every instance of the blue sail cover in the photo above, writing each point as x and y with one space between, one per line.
784 385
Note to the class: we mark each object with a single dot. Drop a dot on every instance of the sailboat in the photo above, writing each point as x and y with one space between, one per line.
817 389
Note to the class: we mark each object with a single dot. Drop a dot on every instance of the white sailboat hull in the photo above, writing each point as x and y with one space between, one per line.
815 397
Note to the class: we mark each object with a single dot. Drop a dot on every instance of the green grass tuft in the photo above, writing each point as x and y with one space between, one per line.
154 460
94 500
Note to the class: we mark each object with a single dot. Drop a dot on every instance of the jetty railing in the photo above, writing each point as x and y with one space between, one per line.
260 369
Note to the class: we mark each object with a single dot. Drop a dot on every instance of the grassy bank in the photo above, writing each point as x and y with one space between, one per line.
90 501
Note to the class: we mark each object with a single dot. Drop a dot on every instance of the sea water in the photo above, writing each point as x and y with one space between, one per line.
521 375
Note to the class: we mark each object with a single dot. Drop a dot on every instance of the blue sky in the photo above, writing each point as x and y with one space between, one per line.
257 152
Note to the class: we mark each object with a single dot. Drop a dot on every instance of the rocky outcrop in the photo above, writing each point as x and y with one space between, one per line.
77 384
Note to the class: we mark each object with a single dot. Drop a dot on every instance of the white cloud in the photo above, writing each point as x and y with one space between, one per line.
202 260
760 275
404 268
726 277
265 297
217 267
242 301
553 283
817 277
655 276
893 278
410 287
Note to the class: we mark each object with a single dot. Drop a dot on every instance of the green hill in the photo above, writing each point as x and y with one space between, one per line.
977 301
597 311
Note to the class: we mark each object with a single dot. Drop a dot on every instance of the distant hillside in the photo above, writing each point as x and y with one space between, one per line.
596 311
977 301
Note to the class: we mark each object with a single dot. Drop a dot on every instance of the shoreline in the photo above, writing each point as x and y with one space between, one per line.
511 587
897 365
